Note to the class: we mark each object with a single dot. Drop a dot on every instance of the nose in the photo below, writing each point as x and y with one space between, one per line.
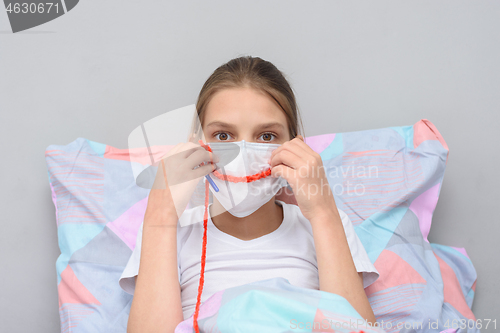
247 138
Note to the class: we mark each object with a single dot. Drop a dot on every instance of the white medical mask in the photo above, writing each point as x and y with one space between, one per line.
242 159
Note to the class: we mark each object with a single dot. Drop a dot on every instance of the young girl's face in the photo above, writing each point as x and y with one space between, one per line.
244 114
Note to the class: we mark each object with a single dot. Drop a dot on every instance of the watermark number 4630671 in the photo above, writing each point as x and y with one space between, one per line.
26 14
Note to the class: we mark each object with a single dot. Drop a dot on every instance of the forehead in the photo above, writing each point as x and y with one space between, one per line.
243 105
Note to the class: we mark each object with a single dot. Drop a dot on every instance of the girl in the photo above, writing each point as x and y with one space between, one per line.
247 102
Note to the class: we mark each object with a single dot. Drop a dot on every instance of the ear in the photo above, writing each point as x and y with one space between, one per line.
286 195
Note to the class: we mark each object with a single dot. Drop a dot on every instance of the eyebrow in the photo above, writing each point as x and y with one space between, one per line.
262 126
220 124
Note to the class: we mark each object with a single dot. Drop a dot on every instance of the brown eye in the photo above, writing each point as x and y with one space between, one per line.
267 137
222 136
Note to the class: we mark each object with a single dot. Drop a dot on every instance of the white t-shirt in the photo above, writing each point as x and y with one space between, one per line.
286 252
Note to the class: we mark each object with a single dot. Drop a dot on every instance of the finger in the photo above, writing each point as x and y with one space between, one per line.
282 171
297 146
181 150
176 155
185 150
290 146
184 146
302 143
199 157
189 148
203 170
287 158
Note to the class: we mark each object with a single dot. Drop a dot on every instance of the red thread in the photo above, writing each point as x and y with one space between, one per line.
203 257
244 179
233 179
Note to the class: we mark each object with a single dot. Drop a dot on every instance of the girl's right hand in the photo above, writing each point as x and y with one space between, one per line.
183 166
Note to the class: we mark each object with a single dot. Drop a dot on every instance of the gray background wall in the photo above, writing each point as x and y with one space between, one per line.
107 66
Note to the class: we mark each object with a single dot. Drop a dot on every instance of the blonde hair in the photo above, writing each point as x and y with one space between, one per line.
252 72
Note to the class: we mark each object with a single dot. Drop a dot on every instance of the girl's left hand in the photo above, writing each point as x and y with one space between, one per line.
303 168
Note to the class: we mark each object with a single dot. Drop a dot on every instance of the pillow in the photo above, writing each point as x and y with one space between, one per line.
387 180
